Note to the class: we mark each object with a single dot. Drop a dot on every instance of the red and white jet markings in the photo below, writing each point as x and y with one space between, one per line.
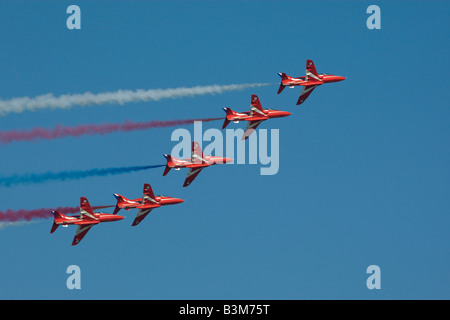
196 163
309 82
255 116
147 203
85 220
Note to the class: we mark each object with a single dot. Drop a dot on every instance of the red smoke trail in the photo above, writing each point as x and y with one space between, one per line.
22 214
88 129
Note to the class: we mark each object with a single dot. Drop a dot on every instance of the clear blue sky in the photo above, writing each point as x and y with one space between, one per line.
363 179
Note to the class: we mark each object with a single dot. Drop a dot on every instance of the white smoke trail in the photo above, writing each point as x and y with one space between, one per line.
66 101
14 224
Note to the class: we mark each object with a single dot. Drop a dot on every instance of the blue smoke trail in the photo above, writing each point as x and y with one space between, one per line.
68 175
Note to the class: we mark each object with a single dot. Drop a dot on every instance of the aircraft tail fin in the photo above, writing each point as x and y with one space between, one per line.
283 76
54 227
58 217
168 164
225 123
230 113
120 199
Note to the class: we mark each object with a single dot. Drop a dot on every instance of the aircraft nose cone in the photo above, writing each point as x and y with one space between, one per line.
117 217
285 113
340 78
225 160
176 200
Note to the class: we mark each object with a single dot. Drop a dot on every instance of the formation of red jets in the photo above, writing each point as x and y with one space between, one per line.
196 163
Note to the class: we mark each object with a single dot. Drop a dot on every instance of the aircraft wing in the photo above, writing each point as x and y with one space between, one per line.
306 91
251 126
197 153
142 213
256 109
192 174
81 232
311 71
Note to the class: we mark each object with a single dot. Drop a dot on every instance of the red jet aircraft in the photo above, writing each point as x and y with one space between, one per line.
85 220
196 163
309 82
147 203
255 116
